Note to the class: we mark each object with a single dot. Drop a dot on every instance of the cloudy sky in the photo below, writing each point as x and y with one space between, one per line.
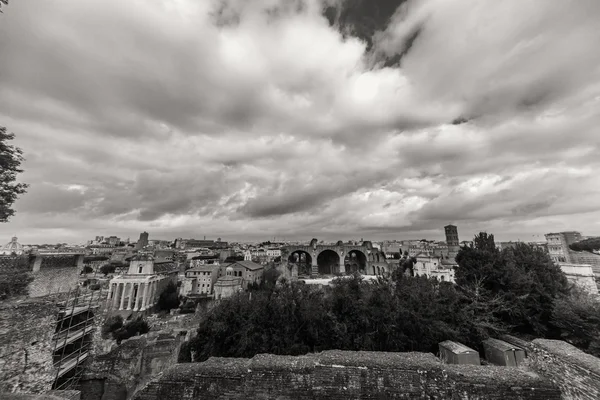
249 119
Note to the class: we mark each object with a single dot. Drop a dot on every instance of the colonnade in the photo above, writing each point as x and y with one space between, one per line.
135 296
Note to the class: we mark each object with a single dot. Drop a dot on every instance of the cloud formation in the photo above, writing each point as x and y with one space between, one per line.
260 118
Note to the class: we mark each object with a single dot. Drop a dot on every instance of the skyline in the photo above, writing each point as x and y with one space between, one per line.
176 118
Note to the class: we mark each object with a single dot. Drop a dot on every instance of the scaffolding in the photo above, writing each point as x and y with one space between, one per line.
73 335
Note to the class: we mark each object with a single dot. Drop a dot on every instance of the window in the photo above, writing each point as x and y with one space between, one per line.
140 269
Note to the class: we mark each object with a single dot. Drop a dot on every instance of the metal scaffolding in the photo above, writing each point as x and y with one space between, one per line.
73 335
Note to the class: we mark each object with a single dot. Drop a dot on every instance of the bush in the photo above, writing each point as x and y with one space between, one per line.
189 307
108 269
168 299
111 324
87 270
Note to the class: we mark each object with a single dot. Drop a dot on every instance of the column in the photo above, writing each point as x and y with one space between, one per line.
138 297
152 294
116 292
145 296
110 294
129 301
123 296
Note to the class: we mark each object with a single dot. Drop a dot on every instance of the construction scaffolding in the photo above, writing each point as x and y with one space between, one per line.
73 335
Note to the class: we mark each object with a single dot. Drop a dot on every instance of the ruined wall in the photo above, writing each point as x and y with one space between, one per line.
575 372
337 375
26 329
117 374
49 280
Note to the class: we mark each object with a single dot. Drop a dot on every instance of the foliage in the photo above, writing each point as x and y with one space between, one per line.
132 328
407 314
188 307
588 245
11 158
523 278
87 269
168 298
111 324
231 259
108 269
15 278
578 317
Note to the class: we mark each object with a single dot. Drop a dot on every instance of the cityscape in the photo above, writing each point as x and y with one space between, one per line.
299 199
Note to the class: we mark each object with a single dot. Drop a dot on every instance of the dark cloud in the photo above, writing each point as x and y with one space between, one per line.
249 118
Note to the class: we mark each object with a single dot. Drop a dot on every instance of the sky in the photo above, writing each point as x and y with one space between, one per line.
257 119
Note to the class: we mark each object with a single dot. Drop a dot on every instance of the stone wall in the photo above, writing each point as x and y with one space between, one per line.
575 372
118 373
26 329
337 375
53 280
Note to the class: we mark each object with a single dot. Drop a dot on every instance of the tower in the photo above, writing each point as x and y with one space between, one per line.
142 241
452 240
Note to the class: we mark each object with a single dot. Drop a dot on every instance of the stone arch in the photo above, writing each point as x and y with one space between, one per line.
356 261
328 262
302 259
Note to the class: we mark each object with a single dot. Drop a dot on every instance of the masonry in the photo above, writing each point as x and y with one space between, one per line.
337 375
26 329
54 274
575 372
118 373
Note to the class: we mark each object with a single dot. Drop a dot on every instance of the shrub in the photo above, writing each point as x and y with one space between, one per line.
87 270
168 299
108 269
111 324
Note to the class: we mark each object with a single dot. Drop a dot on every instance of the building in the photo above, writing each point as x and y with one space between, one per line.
581 275
452 240
200 280
12 248
142 241
227 285
434 266
139 288
558 245
249 271
113 240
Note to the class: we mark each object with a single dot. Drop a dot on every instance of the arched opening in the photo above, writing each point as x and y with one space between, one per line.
303 260
328 262
374 272
378 271
356 261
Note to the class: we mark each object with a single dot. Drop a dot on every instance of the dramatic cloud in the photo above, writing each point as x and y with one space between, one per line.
261 118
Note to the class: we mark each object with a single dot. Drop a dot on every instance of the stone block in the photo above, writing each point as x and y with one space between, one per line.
457 353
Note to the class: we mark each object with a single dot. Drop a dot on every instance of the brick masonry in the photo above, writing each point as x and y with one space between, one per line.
26 328
120 372
575 372
337 375
53 280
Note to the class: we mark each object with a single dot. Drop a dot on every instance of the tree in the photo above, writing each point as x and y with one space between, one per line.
11 158
108 269
87 269
168 299
15 277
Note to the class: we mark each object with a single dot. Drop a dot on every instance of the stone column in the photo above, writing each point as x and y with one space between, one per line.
123 296
138 298
116 291
110 294
130 300
145 296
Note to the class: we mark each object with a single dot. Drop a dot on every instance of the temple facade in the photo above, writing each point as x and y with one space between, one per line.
138 290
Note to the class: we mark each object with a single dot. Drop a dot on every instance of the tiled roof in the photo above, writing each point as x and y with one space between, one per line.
248 265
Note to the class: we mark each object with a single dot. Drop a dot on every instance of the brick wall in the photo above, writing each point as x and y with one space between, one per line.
53 280
575 372
118 373
26 329
337 375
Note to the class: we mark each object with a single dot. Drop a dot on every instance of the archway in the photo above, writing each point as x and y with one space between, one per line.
328 262
303 260
355 261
